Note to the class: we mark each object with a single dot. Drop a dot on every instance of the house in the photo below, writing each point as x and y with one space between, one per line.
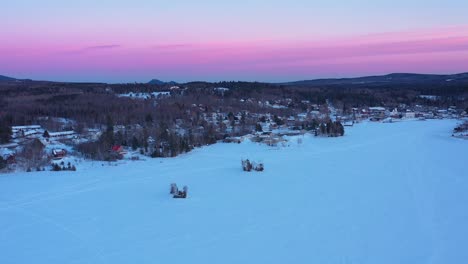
377 110
377 113
118 149
410 114
363 114
221 90
395 113
59 153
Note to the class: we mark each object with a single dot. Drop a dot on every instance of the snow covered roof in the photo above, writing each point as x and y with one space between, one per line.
144 95
31 132
4 152
9 145
430 97
221 89
58 151
63 133
377 108
25 127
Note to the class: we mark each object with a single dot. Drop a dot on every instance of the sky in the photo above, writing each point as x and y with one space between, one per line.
258 40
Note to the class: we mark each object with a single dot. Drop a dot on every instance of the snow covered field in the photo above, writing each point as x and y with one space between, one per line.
384 193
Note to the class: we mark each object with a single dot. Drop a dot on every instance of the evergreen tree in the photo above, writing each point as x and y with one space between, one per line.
109 124
323 129
329 127
242 120
46 134
135 143
278 120
5 132
149 118
107 139
56 167
339 128
3 163
258 128
119 138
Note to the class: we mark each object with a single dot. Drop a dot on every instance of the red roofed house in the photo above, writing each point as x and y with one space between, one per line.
118 151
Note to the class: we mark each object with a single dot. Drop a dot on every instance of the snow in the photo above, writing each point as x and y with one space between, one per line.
430 97
221 89
34 127
145 95
62 134
383 193
377 108
4 152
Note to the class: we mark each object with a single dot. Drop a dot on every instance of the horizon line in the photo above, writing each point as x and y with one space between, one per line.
239 80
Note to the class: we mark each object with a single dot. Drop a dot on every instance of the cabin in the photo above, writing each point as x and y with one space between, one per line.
410 114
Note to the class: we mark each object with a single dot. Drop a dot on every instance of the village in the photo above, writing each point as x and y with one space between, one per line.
33 147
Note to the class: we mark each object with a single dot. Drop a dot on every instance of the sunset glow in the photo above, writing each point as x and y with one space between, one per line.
126 45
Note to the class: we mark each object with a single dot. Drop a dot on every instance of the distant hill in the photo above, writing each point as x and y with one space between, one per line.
159 82
6 79
402 79
394 78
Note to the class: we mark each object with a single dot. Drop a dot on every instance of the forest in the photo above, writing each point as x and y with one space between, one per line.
195 113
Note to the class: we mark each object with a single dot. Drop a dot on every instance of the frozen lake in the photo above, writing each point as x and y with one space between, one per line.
383 193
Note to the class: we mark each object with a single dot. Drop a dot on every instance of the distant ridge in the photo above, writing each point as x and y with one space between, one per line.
6 79
393 78
159 82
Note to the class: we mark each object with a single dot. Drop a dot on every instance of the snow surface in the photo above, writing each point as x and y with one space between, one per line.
384 193
145 95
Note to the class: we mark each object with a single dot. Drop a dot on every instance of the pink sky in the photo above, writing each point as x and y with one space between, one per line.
441 50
